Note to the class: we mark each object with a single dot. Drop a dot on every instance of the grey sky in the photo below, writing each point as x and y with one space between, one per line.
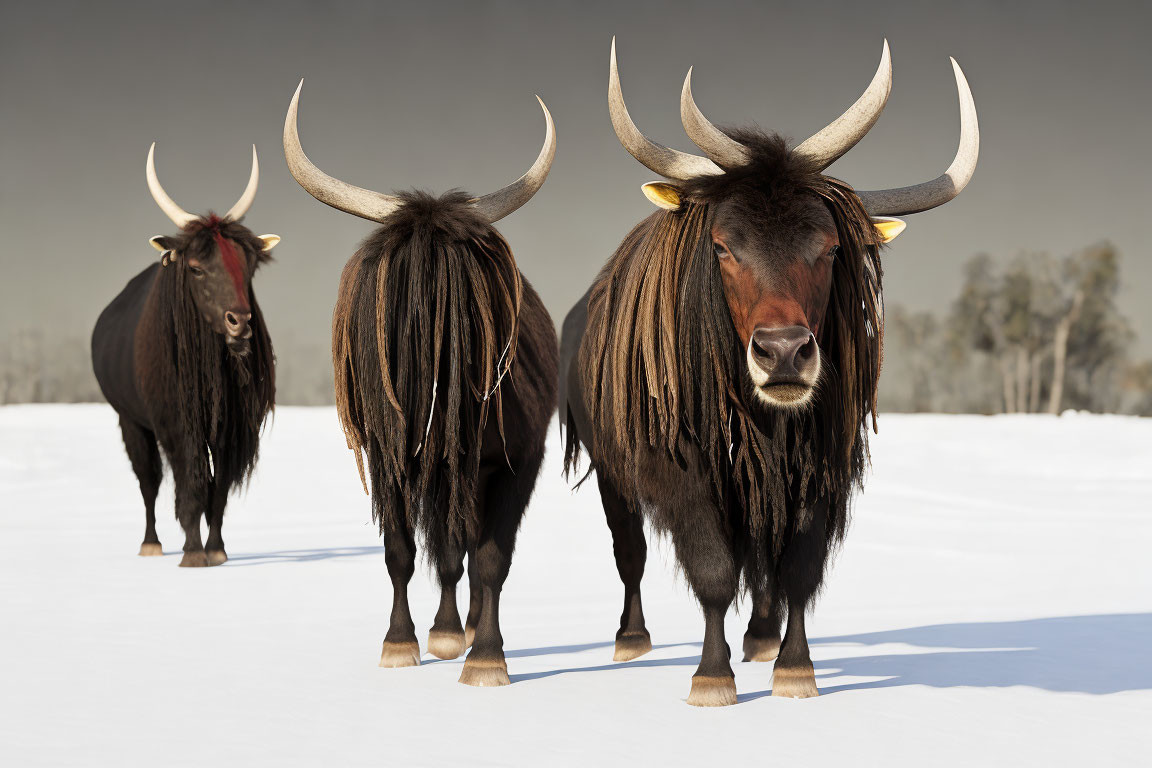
439 95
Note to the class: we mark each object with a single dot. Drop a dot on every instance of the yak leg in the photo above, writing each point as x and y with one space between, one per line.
214 549
801 569
505 497
140 444
192 498
762 640
446 639
630 549
475 601
400 646
707 554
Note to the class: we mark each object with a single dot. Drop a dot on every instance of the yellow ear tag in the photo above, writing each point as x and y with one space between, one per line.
155 243
270 241
662 194
888 227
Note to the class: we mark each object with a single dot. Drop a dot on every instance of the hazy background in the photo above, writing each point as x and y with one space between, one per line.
440 95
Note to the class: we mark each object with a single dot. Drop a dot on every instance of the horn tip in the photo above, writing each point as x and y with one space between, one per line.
543 106
961 80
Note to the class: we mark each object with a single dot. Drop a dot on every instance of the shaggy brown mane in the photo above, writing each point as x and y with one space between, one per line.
663 366
423 332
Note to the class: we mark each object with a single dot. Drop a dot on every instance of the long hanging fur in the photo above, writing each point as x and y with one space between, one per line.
222 392
423 332
663 368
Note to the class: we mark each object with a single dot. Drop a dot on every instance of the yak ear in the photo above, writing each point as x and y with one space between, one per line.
270 241
662 194
161 243
888 227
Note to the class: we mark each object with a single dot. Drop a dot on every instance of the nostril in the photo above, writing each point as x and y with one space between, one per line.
807 350
231 319
759 349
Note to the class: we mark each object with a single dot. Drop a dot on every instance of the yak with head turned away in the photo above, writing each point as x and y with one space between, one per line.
183 356
721 371
445 366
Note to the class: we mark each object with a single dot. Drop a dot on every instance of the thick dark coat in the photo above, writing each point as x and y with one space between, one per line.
178 384
445 368
655 389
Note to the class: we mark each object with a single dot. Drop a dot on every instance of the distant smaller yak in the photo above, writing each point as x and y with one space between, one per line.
445 366
183 356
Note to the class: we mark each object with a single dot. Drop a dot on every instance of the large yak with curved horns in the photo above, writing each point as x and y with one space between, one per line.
446 369
183 356
722 370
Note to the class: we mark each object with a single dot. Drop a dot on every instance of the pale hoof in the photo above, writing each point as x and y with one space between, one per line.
712 691
485 673
151 549
217 556
795 683
194 560
446 645
469 636
761 648
400 655
632 646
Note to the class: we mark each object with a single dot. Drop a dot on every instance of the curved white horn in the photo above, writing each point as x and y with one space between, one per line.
496 205
179 216
831 143
921 197
357 201
236 212
721 148
667 162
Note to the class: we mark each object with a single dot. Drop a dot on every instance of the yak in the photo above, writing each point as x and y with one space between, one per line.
721 371
446 368
183 356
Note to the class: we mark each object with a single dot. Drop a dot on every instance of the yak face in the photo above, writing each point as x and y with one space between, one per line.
776 268
217 260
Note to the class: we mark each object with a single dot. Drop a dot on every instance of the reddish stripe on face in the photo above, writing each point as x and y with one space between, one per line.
235 268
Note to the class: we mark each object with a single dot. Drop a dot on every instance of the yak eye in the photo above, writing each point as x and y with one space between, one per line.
719 249
196 271
834 251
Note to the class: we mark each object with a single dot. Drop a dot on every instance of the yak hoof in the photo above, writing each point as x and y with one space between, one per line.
794 682
632 646
446 645
197 559
400 654
217 556
484 673
151 549
712 691
761 648
469 636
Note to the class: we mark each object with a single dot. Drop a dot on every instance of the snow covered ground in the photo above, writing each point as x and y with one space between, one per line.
992 606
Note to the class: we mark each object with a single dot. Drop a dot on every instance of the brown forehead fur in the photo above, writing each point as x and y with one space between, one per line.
772 207
198 241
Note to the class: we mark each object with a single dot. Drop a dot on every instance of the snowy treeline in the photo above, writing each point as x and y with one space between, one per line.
1034 334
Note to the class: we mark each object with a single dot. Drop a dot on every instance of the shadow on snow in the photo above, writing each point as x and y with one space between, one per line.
1098 654
300 555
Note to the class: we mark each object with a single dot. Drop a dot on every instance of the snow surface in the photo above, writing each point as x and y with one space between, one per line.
992 606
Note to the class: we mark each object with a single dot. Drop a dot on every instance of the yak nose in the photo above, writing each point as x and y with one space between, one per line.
785 354
237 323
